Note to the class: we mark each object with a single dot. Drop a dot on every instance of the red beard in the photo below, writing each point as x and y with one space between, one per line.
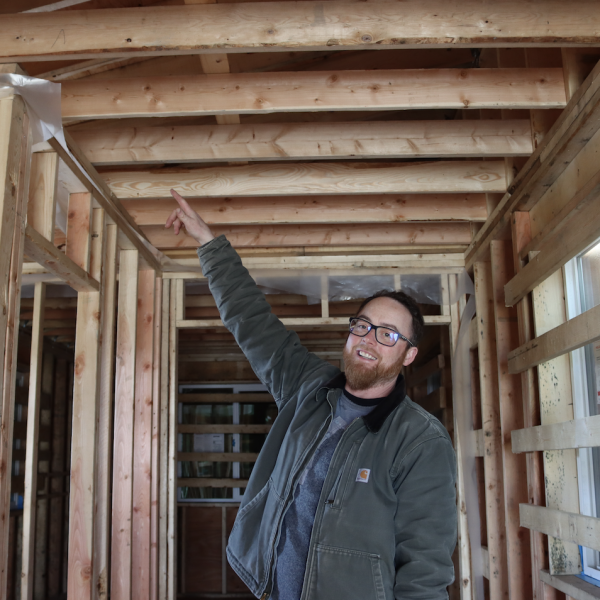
361 376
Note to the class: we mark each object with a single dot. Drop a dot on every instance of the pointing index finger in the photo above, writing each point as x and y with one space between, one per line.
187 209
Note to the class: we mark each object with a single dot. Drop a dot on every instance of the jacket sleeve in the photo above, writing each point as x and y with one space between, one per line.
426 522
275 354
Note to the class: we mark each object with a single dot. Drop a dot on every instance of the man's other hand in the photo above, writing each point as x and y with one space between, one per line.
185 216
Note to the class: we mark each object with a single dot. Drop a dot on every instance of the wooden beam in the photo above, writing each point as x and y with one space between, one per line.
104 197
88 68
573 229
570 133
32 444
248 93
334 235
125 380
86 391
101 573
423 372
313 178
256 27
570 527
511 414
58 263
79 242
492 430
575 333
579 433
15 148
391 139
373 208
142 437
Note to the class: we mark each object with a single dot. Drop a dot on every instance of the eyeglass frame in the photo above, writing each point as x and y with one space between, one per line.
376 327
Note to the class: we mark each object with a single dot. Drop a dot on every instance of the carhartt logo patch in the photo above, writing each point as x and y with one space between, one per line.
363 475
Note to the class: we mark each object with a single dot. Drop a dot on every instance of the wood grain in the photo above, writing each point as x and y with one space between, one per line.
252 27
312 178
248 93
391 139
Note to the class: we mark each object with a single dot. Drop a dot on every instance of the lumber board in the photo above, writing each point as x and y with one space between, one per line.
86 391
577 124
247 93
312 178
163 503
556 406
433 233
105 198
314 141
142 436
32 444
155 491
570 527
299 322
492 429
579 433
79 220
571 585
221 428
514 467
211 482
372 208
41 206
218 456
15 147
125 380
249 398
575 333
572 230
256 27
57 262
101 573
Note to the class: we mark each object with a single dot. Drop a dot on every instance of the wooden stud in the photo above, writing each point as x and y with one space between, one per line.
164 443
78 230
41 208
101 574
142 437
32 444
174 303
124 422
511 414
325 296
15 147
492 431
86 392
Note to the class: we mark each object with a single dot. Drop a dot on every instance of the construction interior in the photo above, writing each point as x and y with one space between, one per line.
342 147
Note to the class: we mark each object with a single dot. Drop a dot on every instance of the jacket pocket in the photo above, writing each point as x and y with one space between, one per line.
338 492
343 573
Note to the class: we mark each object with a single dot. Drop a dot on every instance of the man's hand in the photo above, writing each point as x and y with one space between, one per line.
185 216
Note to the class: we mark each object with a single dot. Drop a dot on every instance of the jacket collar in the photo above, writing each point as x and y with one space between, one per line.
375 419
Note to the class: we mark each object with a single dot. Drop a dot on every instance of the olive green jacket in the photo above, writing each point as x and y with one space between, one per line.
391 536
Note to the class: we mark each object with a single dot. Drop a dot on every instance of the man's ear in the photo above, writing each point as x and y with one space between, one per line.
411 354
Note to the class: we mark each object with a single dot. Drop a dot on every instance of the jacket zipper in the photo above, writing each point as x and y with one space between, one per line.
320 511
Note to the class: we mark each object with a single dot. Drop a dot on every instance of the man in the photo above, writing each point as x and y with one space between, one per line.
352 496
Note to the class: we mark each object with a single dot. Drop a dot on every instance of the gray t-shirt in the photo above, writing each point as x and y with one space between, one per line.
296 529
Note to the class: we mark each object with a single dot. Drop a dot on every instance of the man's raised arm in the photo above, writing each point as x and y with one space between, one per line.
275 354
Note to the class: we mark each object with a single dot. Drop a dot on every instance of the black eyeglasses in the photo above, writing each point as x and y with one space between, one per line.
384 335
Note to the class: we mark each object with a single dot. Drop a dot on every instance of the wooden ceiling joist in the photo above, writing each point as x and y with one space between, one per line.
318 209
247 93
267 26
434 234
387 139
313 178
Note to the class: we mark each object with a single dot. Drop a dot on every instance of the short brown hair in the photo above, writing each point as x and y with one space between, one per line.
418 324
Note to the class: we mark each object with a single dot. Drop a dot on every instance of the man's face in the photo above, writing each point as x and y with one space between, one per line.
369 363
